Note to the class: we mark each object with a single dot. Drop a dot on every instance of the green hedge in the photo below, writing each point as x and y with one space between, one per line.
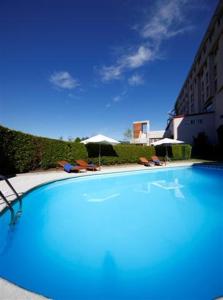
180 152
119 154
54 150
20 152
175 152
131 153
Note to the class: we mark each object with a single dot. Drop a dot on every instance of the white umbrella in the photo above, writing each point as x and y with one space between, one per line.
166 142
100 139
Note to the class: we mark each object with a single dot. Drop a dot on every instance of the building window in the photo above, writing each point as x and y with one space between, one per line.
144 127
202 97
216 51
215 85
199 121
209 108
207 91
210 38
206 77
192 122
202 72
215 70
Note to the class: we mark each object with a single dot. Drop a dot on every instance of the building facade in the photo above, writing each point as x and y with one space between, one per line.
199 106
142 135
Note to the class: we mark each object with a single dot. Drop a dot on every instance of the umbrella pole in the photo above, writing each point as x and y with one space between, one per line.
99 157
166 159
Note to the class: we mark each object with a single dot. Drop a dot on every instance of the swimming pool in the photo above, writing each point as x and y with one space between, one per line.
139 235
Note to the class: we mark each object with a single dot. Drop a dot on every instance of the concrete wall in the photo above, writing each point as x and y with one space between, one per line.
191 126
176 124
188 127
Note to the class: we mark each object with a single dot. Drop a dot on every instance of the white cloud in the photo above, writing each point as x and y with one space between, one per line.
138 58
74 96
112 72
136 80
108 105
166 21
63 80
117 99
132 60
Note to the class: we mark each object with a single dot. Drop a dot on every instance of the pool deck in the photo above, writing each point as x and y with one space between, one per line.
10 291
25 182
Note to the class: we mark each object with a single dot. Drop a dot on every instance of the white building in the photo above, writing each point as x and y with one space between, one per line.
141 133
199 106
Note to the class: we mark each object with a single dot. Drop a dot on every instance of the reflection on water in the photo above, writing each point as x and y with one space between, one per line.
8 240
96 197
170 185
110 275
174 185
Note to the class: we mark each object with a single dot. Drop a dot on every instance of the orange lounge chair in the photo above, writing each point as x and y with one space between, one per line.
68 167
144 161
156 161
86 165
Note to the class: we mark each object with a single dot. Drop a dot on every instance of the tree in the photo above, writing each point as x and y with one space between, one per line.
219 147
77 140
202 147
220 135
128 134
70 139
84 138
61 138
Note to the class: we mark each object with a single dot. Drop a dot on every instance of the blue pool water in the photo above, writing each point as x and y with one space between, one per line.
153 235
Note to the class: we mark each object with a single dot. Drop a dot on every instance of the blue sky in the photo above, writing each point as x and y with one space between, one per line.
78 68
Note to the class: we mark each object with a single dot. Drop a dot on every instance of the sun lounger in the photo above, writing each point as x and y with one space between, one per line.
144 161
156 161
68 167
86 165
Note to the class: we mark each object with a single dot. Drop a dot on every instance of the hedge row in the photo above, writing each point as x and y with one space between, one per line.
181 151
119 154
20 152
175 152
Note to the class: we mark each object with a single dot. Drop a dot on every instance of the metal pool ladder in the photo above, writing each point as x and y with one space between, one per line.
14 216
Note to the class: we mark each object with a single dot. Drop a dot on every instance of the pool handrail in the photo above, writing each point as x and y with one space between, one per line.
2 177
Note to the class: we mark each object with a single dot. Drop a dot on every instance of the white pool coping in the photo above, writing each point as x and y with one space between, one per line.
10 291
27 181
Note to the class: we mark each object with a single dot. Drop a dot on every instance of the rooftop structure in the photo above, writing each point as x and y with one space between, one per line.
143 135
